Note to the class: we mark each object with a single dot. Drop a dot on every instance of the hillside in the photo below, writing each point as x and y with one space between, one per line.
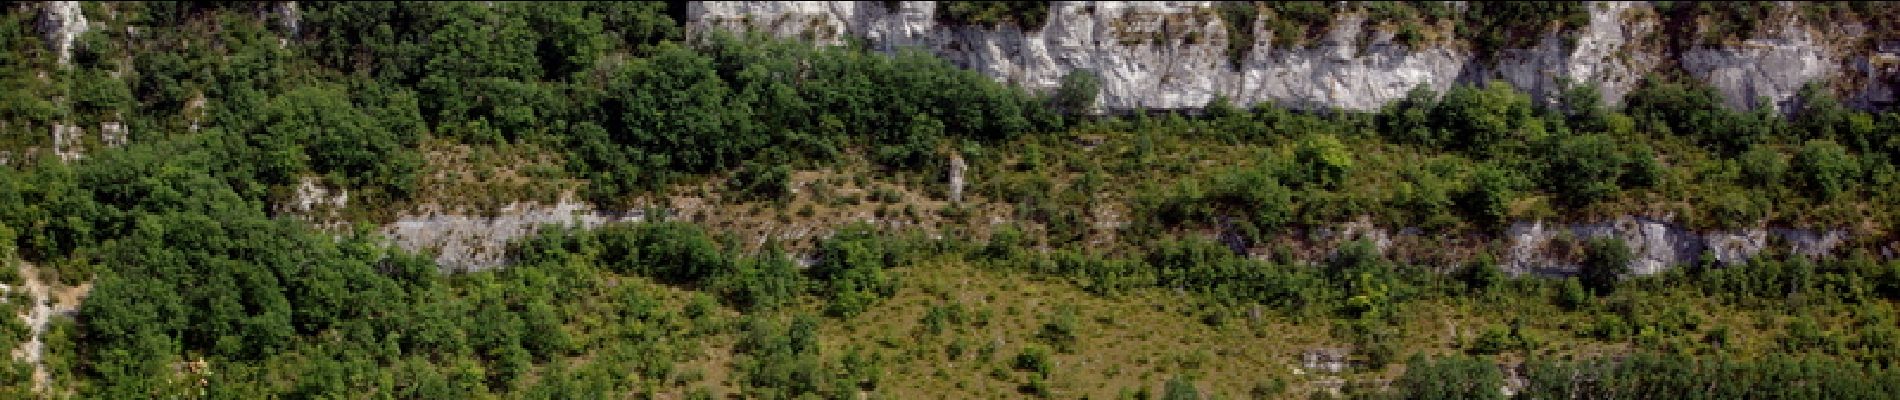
948 200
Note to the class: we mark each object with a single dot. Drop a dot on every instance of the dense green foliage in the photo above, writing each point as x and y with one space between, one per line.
180 232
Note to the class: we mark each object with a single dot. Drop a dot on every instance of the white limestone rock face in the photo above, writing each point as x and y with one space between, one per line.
61 23
67 141
1156 55
464 242
1607 53
1172 55
1772 68
1655 245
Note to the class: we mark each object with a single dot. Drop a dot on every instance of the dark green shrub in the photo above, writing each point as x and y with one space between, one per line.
1028 15
1078 91
1584 169
1452 377
1825 169
759 181
1605 261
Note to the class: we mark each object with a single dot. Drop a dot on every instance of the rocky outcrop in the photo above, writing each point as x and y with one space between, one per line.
288 17
60 24
1608 53
1770 68
1172 55
1536 248
67 141
463 242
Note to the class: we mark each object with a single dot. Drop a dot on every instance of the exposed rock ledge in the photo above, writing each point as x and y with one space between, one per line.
471 242
1173 55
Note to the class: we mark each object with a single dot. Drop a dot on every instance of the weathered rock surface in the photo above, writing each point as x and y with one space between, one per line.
1543 249
1172 55
61 23
464 242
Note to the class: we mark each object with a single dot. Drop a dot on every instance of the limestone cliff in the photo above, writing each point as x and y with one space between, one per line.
1172 55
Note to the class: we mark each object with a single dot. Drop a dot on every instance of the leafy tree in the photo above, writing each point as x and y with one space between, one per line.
1478 120
1077 93
637 25
1324 160
1825 169
1584 169
764 283
1453 377
1763 167
1694 109
1583 107
571 38
1028 15
761 182
319 129
1488 196
1605 260
851 272
1180 388
1409 120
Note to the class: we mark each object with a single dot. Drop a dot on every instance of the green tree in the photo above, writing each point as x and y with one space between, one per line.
1452 377
1077 93
318 128
1825 169
1488 196
1763 167
1584 169
1478 120
851 270
1409 120
1180 388
1605 261
1324 160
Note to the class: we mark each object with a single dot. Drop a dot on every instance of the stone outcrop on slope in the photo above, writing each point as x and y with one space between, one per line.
1172 55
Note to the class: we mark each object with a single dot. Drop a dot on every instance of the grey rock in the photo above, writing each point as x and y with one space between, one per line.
464 242
61 23
1655 245
1173 55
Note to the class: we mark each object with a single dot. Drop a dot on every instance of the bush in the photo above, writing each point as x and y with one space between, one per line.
850 270
1453 377
1825 169
1482 275
1494 340
1487 199
1763 167
1479 120
1035 359
1323 161
1584 169
1078 92
1062 329
758 181
1571 295
1605 260
1180 388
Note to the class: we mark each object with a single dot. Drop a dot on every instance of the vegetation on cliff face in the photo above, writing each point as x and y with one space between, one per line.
1025 15
200 287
